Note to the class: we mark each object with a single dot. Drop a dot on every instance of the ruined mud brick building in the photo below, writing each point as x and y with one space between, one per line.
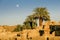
49 31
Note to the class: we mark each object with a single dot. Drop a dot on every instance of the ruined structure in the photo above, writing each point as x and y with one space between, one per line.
50 30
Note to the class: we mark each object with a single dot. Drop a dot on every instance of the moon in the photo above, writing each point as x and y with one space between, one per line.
17 5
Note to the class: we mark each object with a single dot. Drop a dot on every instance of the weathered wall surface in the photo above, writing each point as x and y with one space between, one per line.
30 34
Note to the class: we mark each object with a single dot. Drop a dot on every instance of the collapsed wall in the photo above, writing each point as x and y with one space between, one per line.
46 32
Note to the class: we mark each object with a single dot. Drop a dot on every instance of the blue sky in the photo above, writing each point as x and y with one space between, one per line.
10 14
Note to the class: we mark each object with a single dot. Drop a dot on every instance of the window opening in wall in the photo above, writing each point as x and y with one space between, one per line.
41 32
52 29
47 38
55 28
15 38
18 35
57 31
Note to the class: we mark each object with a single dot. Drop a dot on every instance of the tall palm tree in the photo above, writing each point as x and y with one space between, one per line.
41 14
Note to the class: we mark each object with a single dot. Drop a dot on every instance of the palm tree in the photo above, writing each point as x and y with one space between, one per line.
41 14
29 22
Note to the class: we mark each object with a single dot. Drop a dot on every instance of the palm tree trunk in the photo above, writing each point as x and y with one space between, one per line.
40 21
